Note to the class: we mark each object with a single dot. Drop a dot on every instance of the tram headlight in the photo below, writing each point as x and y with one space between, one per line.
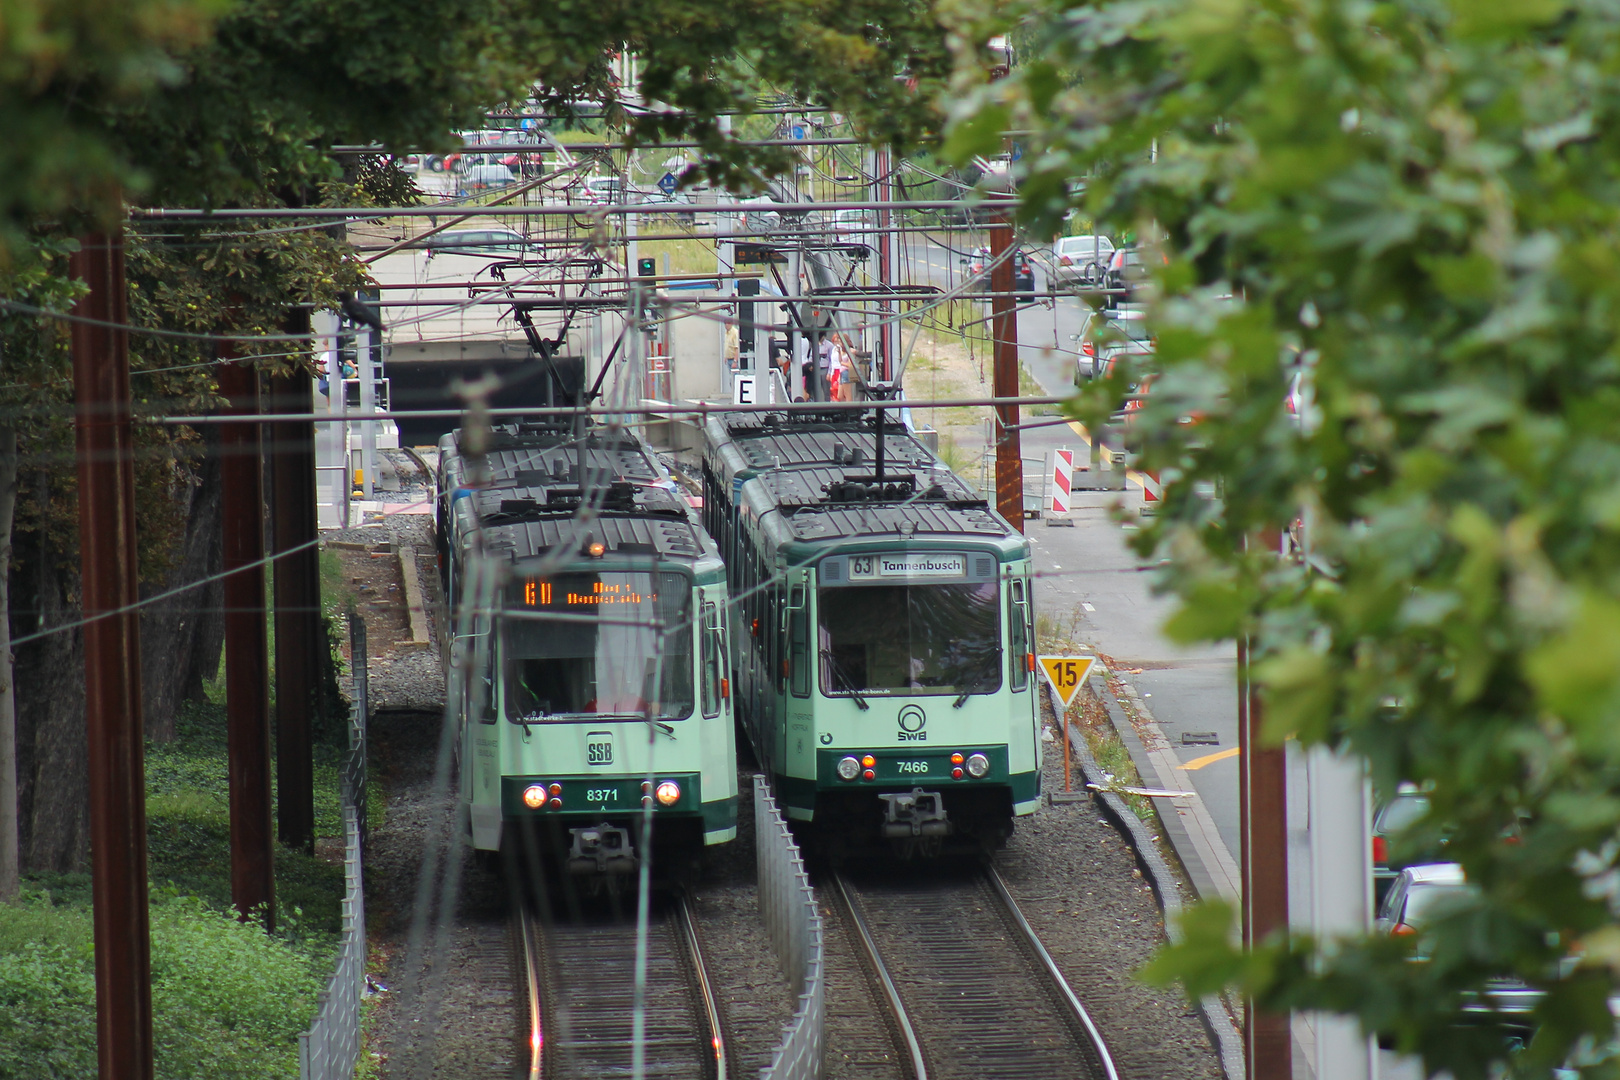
848 768
977 765
669 793
534 796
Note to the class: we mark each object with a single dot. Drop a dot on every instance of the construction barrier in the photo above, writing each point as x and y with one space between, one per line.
1060 481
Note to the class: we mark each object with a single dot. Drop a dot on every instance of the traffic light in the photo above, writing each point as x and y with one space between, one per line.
647 267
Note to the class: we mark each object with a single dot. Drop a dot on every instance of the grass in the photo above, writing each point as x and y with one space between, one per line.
961 462
684 256
228 999
188 829
962 322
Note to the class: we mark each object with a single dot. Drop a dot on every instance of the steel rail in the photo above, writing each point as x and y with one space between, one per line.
531 970
902 1019
700 969
715 1062
1065 991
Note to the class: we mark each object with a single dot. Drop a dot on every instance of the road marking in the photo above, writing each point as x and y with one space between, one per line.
1087 606
1209 759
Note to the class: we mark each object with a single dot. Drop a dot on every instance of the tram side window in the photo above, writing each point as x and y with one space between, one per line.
799 642
1018 637
711 662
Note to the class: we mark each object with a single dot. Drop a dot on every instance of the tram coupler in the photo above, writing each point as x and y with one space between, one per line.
914 813
601 849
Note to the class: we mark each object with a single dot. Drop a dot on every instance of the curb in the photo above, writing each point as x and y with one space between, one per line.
1187 821
1228 1044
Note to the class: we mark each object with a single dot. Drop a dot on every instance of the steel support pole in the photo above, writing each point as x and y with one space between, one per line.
112 662
1263 797
1004 376
247 675
298 601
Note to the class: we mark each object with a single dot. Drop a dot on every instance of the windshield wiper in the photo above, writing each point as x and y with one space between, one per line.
976 687
849 683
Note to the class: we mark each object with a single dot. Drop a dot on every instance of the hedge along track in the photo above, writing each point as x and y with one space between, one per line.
973 992
580 987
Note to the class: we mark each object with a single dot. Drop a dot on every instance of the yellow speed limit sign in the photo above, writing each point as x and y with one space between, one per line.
1067 674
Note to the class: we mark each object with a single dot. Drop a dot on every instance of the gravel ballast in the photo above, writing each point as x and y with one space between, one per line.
1076 880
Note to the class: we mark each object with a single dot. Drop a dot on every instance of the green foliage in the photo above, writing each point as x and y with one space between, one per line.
1414 206
201 102
60 62
227 1000
188 830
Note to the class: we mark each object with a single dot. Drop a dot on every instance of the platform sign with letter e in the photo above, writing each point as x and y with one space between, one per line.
1067 674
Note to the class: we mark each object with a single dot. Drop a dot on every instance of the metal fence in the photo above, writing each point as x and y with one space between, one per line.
330 1049
788 907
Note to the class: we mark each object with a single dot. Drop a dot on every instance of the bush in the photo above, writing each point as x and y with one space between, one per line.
227 1000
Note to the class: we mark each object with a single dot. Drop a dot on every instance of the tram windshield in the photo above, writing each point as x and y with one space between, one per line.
912 639
583 645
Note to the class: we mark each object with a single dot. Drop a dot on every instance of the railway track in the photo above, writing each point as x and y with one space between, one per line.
972 992
580 985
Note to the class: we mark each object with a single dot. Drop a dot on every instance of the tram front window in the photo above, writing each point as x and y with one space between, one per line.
910 639
582 645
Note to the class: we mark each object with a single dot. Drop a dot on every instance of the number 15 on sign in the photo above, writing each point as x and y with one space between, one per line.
1067 674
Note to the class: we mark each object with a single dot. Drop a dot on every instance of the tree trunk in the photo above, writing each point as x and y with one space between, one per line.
181 639
181 636
52 778
9 852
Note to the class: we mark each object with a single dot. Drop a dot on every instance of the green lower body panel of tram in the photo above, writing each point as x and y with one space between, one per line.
878 799
589 800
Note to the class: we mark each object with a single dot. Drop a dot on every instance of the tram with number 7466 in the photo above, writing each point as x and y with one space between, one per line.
884 632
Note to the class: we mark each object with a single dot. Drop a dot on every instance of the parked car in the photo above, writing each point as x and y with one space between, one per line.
603 190
1081 260
486 177
1408 805
975 268
1109 333
493 243
1126 272
1422 894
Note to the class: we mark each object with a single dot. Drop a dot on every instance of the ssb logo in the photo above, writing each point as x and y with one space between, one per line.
911 720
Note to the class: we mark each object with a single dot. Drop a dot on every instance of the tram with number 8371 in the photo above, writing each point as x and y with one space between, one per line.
588 609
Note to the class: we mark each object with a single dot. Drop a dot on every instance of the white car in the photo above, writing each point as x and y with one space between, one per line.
1080 260
603 190
486 177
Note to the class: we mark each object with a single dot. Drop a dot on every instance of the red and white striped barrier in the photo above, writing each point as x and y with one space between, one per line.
1060 484
1152 490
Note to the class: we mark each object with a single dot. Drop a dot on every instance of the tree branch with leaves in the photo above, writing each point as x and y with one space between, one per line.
1409 209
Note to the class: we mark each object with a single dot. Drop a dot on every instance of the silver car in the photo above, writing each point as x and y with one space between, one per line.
1080 260
1422 894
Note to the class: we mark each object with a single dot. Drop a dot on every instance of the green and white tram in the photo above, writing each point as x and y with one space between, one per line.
884 650
599 688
